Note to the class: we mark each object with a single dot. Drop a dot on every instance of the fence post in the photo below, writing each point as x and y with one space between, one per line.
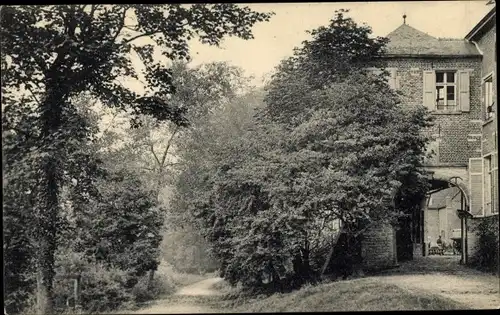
77 291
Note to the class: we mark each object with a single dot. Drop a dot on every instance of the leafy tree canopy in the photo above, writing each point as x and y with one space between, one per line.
324 149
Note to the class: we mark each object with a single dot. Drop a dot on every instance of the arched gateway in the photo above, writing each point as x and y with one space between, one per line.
385 245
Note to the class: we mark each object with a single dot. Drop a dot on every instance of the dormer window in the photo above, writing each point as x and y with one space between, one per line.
446 96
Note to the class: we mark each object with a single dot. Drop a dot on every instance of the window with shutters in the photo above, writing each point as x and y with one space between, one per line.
488 97
446 90
392 79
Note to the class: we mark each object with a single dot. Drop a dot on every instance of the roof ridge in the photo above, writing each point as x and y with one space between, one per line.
450 39
402 26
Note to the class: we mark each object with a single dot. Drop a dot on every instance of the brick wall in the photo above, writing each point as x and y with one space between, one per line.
458 136
487 46
378 248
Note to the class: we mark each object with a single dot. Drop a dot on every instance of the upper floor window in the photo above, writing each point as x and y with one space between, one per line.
488 97
447 91
446 96
392 79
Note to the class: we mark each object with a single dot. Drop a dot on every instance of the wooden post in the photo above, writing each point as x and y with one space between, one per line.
462 241
465 242
76 290
41 294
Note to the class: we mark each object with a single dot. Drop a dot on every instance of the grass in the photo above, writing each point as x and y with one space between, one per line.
354 295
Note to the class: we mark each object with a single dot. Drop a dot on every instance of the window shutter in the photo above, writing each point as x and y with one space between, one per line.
484 111
430 90
476 186
463 90
494 184
486 186
392 79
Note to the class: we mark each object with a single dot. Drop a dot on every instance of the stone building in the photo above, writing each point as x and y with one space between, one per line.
456 80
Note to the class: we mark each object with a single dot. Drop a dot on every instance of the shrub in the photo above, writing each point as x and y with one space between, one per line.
486 253
104 289
160 285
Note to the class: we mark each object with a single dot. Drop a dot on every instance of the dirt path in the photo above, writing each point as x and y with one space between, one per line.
186 300
439 276
477 292
444 276
204 287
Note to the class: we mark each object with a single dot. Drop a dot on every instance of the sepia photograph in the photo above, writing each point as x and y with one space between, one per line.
249 157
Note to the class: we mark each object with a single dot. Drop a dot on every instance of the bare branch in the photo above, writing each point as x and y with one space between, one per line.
168 147
110 123
33 94
151 148
122 23
130 28
172 164
141 35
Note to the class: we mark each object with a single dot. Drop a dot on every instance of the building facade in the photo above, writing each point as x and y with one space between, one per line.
484 169
456 80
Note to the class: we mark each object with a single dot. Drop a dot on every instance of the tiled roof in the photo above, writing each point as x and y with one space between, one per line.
406 40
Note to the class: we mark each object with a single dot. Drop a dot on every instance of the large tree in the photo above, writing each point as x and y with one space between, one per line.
58 52
325 149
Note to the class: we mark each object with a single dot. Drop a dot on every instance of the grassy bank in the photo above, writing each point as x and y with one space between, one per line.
354 295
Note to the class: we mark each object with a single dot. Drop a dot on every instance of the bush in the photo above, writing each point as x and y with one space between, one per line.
486 253
104 289
160 285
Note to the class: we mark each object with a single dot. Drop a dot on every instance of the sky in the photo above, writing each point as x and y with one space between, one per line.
275 40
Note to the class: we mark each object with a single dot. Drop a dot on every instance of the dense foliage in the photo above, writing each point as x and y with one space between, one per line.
325 151
486 254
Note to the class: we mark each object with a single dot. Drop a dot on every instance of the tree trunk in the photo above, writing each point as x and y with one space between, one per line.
275 279
330 253
43 295
48 203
